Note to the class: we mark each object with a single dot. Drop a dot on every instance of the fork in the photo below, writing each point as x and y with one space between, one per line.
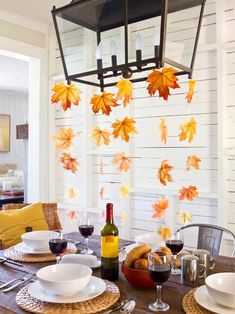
16 279
26 278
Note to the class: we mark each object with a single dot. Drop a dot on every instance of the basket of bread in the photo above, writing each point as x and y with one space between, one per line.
135 267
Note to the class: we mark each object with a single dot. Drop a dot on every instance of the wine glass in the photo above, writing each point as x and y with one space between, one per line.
159 273
86 228
175 243
58 244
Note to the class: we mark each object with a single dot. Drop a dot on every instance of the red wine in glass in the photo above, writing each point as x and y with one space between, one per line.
159 273
58 246
175 246
86 230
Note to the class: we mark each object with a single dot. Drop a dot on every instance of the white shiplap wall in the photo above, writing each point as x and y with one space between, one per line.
16 105
145 148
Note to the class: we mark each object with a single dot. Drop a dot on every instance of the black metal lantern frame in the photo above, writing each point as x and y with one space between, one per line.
140 10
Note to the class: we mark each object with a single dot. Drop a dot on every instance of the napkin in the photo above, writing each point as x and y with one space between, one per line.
88 260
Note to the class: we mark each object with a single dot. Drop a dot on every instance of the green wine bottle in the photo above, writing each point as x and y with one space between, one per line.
109 247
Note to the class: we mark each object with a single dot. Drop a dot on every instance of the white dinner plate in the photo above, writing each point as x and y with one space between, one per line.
202 298
95 287
22 248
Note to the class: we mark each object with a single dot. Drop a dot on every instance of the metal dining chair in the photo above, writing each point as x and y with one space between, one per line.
210 237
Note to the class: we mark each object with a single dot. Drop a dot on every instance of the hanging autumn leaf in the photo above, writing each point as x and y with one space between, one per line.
103 102
69 163
64 138
100 136
162 81
185 218
123 218
125 91
72 193
72 214
188 130
192 162
163 172
123 162
101 193
163 129
189 96
123 128
164 232
124 191
67 94
160 208
101 165
188 193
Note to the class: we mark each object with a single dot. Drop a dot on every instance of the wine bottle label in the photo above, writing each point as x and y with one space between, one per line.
109 245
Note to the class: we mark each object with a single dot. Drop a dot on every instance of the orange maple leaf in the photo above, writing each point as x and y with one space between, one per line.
67 94
189 96
101 193
100 136
103 102
64 138
101 166
160 208
164 232
163 172
123 128
162 81
188 193
69 163
125 91
192 161
72 214
123 162
188 130
163 129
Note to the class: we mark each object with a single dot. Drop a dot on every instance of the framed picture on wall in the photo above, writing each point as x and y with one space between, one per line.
5 132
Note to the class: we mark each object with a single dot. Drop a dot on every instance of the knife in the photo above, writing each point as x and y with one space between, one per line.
6 260
118 306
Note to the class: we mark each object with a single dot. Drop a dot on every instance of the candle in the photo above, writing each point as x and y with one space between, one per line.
138 42
113 48
156 39
98 52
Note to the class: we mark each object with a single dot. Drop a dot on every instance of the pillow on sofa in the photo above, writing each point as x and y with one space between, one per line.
13 223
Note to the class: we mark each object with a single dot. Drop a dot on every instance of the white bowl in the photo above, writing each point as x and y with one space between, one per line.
221 288
64 279
152 239
37 240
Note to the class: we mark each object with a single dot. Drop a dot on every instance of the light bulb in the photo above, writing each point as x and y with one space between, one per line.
138 42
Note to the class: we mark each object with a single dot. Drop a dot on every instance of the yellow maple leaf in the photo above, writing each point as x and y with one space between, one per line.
101 193
125 91
72 193
163 129
124 191
164 232
103 102
64 138
189 96
100 136
188 130
67 94
160 208
123 128
123 162
192 162
163 172
188 193
69 163
185 218
162 81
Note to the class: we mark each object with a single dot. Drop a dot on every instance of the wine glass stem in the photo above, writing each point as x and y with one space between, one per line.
159 294
86 244
174 258
58 258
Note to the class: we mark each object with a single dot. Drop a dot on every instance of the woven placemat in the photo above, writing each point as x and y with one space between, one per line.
15 255
190 305
100 303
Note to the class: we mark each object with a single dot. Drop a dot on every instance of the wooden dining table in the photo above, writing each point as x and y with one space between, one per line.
172 293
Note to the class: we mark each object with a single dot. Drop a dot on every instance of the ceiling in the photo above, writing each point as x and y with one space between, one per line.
14 75
39 10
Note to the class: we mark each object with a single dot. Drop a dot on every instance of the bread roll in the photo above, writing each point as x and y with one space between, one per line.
141 264
135 253
177 262
157 258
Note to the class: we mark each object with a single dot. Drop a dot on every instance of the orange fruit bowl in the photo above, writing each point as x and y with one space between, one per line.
137 278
